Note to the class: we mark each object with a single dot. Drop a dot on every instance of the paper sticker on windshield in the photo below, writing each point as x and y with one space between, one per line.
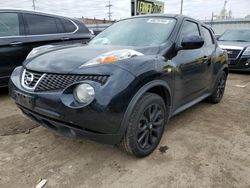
158 21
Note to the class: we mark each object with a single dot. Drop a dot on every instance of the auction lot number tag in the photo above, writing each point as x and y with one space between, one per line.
158 21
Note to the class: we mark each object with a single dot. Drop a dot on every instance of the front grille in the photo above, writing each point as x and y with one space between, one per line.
232 62
61 81
30 79
37 76
49 81
233 53
241 64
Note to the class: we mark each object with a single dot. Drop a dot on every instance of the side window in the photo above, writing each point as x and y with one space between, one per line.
9 24
68 25
189 28
207 37
59 25
39 25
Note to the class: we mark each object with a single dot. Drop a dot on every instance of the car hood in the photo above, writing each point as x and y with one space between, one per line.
225 44
65 59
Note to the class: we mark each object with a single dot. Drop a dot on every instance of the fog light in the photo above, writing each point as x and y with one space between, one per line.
248 62
84 93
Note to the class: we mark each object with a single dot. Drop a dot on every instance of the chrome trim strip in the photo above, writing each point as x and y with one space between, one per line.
42 35
29 88
231 47
225 47
4 77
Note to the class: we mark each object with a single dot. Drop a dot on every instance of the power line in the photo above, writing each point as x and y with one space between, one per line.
109 5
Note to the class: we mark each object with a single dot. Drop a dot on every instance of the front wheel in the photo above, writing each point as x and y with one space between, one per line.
145 126
219 89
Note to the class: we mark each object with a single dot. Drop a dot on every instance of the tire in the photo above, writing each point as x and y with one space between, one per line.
145 126
219 89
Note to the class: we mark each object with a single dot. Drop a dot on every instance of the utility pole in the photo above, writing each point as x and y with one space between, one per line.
212 19
109 5
181 6
135 7
33 4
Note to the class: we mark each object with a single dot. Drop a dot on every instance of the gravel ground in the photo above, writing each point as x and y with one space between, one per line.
205 146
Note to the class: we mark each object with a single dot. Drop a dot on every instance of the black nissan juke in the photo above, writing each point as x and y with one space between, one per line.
124 86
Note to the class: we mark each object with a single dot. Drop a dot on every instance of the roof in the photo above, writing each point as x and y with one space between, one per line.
158 15
30 11
177 16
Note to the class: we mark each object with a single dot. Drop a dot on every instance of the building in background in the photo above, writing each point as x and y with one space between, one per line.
220 26
224 13
94 21
96 25
224 21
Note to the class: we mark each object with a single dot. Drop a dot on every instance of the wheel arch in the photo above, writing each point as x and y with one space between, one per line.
158 87
226 70
163 92
223 68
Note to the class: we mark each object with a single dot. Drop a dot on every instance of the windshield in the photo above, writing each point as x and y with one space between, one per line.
236 35
137 32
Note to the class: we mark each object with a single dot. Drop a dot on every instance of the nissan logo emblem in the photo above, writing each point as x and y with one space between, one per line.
28 78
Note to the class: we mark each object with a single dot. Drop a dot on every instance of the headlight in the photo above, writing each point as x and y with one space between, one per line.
84 93
247 51
112 57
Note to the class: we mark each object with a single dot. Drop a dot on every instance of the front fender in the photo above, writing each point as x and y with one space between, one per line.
221 64
136 98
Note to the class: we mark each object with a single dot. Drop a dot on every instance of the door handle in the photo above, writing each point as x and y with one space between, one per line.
205 58
17 43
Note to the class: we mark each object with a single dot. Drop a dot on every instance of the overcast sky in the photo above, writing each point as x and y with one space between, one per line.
199 9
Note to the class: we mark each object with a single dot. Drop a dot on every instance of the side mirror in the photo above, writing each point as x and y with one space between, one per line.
92 31
192 42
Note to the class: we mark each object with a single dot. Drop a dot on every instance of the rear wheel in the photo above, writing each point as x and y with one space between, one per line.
219 89
145 126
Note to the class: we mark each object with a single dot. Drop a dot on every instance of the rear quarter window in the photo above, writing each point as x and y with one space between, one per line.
68 26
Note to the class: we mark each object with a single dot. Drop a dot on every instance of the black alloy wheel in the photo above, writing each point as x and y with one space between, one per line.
146 126
150 125
219 89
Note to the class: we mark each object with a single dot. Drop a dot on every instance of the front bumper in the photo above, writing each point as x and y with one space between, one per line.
70 130
4 80
240 64
99 121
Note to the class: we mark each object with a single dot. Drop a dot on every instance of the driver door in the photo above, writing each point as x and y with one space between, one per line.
191 74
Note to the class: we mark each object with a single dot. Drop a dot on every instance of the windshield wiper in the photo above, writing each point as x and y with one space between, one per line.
234 40
240 40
